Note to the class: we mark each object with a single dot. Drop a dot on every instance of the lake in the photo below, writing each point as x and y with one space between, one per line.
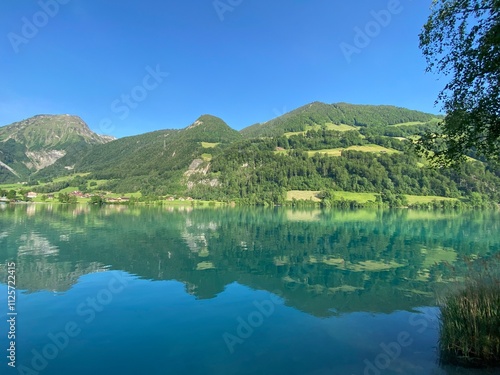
163 290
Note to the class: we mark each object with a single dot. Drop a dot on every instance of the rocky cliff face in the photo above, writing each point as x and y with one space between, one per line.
42 159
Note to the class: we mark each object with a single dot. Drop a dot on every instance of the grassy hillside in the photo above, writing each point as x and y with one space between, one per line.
363 148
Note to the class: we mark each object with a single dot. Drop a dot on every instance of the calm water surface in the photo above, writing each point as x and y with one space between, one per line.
123 290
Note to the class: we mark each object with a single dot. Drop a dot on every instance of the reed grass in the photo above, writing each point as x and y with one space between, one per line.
470 325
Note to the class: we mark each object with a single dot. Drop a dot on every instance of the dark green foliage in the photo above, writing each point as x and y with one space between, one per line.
401 131
52 187
383 115
392 200
97 200
461 40
67 198
443 204
329 200
321 139
11 194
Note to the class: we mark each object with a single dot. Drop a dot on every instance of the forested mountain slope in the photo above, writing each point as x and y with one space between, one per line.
318 113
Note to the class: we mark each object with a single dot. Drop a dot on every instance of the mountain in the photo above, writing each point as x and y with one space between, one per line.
318 150
321 114
36 143
148 160
50 131
211 129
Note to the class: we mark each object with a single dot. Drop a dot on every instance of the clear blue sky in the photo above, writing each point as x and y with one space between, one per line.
246 63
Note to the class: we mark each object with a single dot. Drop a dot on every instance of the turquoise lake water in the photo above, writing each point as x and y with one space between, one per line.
126 290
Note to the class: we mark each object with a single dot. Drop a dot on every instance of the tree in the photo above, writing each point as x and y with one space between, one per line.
97 199
67 198
461 40
11 194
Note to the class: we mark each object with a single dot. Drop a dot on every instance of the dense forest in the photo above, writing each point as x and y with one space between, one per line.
255 172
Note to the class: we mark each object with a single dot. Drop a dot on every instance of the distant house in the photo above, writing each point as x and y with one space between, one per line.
31 195
118 200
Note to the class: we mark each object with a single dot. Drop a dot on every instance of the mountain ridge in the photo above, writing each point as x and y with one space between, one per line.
319 113
315 148
59 130
38 142
45 146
